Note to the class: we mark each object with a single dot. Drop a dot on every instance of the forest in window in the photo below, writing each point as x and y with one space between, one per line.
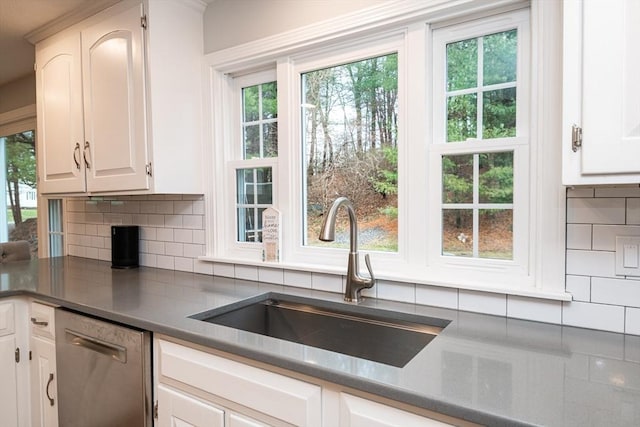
350 128
477 189
19 208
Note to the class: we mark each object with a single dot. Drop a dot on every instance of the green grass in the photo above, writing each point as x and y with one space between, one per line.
26 214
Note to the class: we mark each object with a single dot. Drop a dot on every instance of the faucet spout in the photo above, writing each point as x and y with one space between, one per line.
355 282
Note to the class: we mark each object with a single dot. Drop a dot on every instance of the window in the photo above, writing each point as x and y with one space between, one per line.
425 126
349 132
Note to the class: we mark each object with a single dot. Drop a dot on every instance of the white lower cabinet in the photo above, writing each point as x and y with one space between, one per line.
358 412
44 394
177 409
245 395
198 388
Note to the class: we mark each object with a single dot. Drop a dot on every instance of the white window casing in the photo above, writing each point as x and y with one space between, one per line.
537 267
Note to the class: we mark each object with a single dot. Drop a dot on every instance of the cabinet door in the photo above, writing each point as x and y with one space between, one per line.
8 385
60 123
114 103
237 420
601 66
358 412
44 395
177 409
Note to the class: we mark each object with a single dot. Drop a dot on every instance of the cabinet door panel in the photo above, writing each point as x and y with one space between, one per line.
358 412
610 101
60 126
8 395
113 76
176 409
44 396
236 420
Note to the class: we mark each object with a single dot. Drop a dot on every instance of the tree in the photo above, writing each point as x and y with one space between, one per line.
21 168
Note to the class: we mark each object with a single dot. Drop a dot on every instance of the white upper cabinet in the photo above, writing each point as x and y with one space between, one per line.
601 92
115 136
60 130
119 102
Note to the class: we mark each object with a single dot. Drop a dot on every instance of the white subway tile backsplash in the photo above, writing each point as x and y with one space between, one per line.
596 211
534 309
579 236
396 291
580 192
91 230
193 221
198 207
624 191
193 250
164 207
326 282
148 207
183 207
299 279
633 211
166 262
632 321
203 267
604 236
579 287
155 247
224 269
148 233
271 275
615 291
174 249
593 316
148 260
591 263
198 236
183 264
482 302
246 272
437 296
183 236
173 221
156 220
164 234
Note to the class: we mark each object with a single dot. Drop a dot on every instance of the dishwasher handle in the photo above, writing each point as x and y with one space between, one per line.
114 351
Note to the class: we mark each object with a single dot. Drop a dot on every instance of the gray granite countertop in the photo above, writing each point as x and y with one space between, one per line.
486 369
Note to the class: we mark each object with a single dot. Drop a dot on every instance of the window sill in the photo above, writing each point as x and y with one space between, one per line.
398 277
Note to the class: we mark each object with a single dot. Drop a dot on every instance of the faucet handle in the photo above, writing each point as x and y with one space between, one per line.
367 261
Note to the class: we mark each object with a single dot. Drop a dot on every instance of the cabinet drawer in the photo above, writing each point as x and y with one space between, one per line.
290 400
42 320
7 319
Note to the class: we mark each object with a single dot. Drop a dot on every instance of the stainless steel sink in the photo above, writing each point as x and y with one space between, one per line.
391 338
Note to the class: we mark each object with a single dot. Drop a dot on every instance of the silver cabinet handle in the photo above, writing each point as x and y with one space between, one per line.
76 159
39 322
51 401
87 147
114 351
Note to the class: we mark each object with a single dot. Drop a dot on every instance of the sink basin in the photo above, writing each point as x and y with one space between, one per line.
382 336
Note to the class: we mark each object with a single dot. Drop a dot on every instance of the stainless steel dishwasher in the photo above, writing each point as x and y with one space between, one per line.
104 373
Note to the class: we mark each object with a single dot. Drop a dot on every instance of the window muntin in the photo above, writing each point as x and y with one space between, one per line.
260 121
477 205
349 131
480 148
254 189
419 258
481 87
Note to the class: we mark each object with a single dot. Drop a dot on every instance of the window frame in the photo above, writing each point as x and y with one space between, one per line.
543 274
482 269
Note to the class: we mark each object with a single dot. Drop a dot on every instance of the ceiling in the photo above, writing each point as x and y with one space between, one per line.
19 18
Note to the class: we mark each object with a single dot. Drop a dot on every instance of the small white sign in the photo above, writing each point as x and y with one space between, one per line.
271 235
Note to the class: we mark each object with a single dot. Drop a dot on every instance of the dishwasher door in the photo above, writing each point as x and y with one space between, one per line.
104 373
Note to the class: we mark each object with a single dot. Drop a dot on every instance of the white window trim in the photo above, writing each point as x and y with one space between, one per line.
474 269
545 276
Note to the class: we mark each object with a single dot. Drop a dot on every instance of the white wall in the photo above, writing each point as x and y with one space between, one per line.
18 93
173 230
232 22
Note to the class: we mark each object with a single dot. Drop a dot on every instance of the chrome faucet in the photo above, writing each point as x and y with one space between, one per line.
355 283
